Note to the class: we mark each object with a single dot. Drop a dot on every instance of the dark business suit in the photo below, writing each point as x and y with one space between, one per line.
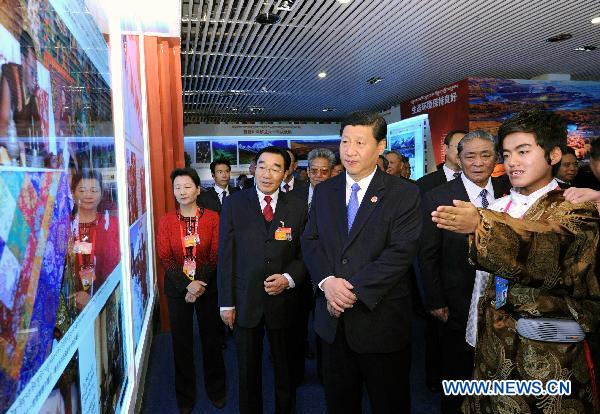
306 293
210 199
370 341
248 254
448 279
431 180
249 183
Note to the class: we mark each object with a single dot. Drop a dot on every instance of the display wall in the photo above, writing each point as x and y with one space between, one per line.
76 263
483 103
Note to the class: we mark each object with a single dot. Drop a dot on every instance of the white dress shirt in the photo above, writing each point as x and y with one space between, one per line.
474 191
515 205
449 173
364 185
220 192
263 204
291 184
311 190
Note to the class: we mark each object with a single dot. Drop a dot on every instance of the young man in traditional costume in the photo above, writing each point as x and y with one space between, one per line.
539 253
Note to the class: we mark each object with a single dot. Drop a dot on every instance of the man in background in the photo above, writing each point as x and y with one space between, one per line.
450 170
446 273
568 168
213 197
289 182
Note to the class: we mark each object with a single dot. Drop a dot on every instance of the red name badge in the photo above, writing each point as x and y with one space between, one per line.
283 233
87 276
189 268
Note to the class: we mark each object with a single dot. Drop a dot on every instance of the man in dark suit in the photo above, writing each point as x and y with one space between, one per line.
447 275
567 169
213 197
359 243
249 183
450 169
259 267
290 183
320 164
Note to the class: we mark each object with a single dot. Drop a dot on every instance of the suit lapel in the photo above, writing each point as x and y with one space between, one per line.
255 210
281 213
338 205
461 190
372 197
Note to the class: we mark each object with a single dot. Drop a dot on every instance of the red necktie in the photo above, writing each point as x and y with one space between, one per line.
268 210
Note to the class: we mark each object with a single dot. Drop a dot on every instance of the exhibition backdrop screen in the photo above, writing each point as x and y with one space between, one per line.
64 323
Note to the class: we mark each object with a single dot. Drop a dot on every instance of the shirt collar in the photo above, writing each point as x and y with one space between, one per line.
219 190
449 172
291 183
261 195
363 183
533 197
473 190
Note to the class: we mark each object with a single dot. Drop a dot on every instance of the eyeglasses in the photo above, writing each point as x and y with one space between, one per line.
322 171
273 170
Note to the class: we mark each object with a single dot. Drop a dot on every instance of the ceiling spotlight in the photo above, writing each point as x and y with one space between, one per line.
374 80
596 20
344 1
588 48
559 37
328 109
267 18
322 74
255 109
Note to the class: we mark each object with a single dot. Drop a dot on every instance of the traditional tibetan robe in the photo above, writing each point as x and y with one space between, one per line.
549 258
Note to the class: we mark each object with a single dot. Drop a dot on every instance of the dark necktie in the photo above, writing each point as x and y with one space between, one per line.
223 195
286 187
484 201
268 210
456 174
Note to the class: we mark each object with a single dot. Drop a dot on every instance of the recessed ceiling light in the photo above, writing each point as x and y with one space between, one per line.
588 48
596 20
374 80
328 109
344 1
559 37
322 74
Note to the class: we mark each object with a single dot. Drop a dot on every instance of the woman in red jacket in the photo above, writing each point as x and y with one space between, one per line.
187 243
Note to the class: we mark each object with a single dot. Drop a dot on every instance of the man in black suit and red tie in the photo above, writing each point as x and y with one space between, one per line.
259 267
213 197
447 275
359 242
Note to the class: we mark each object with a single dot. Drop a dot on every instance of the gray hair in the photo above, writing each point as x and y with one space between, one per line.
321 153
478 133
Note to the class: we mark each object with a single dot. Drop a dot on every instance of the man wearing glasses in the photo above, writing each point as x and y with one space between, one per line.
260 270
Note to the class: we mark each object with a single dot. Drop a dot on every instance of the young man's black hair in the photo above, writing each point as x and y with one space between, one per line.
222 161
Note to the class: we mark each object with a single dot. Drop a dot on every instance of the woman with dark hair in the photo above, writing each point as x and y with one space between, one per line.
187 243
93 251
95 237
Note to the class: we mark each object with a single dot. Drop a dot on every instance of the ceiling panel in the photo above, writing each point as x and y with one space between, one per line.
234 68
